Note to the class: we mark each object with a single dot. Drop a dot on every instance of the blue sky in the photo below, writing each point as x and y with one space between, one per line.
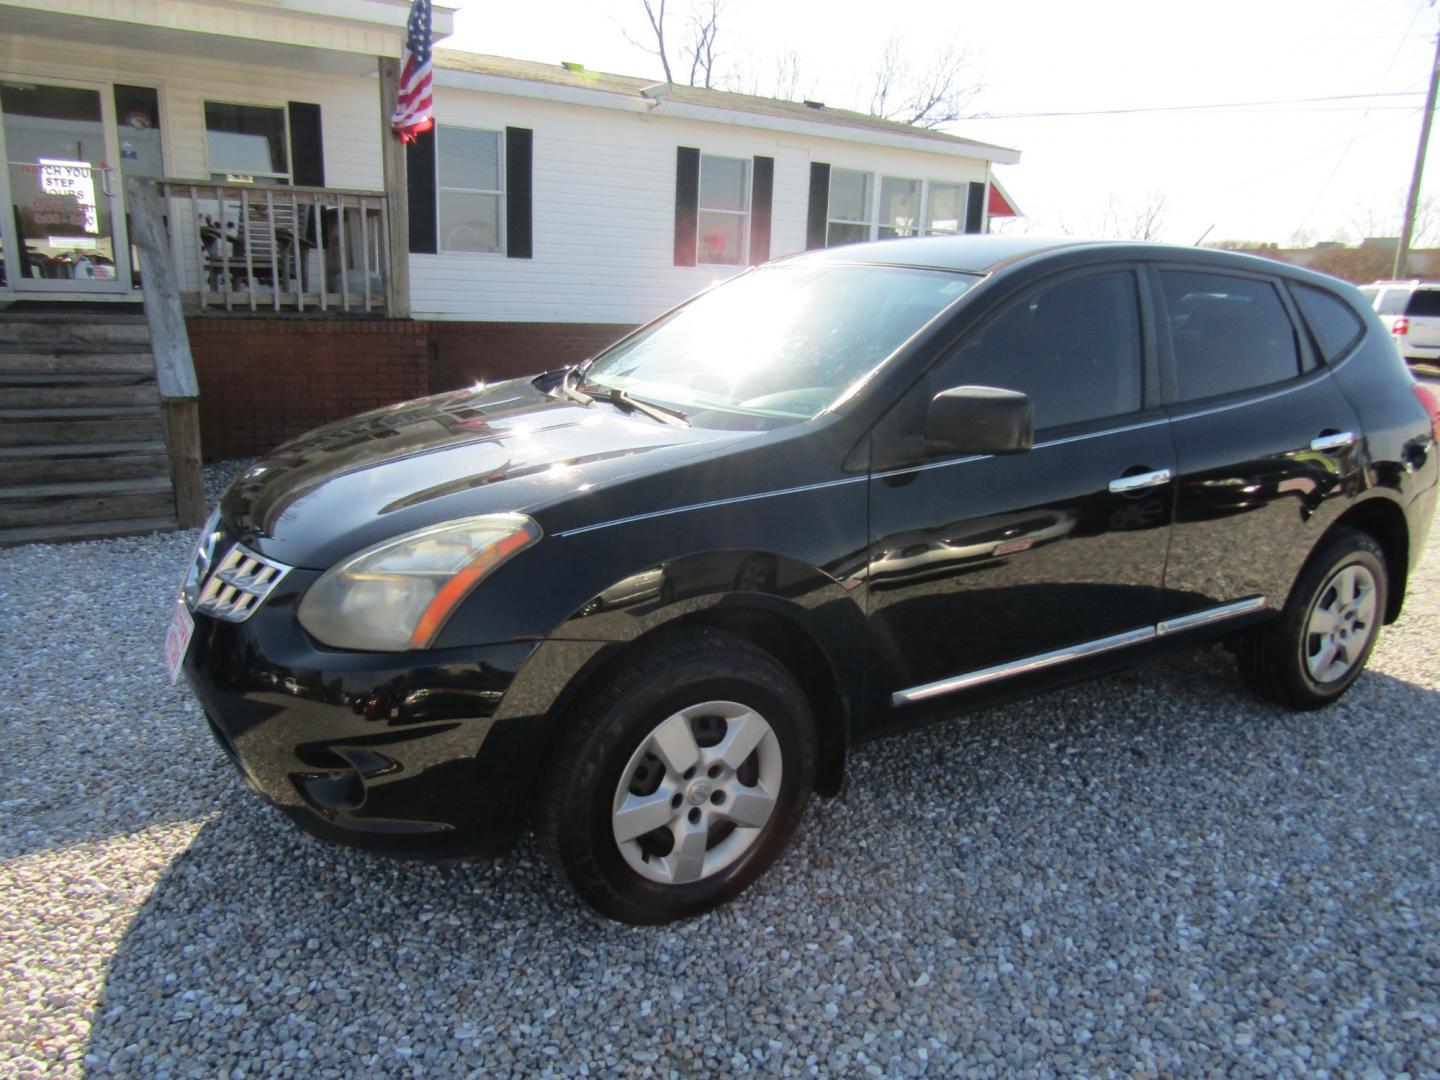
1310 170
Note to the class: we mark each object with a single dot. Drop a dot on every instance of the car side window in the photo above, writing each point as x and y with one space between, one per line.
1073 346
1392 301
1424 302
1335 326
1229 333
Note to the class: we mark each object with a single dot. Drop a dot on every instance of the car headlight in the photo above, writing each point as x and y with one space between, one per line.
398 594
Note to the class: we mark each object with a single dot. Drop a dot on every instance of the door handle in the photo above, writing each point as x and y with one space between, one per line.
1139 482
105 184
1333 441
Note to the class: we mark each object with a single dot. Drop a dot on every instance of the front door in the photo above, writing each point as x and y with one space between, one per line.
983 568
63 226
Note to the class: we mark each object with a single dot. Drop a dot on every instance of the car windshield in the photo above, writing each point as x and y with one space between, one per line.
779 344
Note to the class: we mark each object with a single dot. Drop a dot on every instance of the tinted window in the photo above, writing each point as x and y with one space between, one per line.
1230 333
1392 301
1335 326
1073 347
1424 302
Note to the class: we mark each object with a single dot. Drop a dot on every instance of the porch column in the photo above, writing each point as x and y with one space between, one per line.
397 196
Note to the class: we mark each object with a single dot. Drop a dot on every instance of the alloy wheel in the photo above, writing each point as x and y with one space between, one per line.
697 792
1341 624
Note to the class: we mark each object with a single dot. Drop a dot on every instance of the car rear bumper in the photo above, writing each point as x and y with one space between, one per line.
400 753
1417 353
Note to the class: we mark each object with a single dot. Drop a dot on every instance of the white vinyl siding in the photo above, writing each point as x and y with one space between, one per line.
603 197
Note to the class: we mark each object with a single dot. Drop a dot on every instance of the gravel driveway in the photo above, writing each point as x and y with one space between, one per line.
1151 873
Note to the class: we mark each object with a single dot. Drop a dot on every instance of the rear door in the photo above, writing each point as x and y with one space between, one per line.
1262 436
979 565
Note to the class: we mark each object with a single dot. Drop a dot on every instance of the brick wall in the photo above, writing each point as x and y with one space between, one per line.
265 380
464 352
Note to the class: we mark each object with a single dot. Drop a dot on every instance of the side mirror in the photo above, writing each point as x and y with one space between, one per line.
980 420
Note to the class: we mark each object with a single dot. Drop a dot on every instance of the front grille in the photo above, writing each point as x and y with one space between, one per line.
239 584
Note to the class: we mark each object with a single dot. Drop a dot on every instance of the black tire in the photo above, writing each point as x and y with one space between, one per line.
577 810
1276 659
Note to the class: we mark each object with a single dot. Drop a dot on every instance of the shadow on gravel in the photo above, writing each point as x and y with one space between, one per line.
1148 871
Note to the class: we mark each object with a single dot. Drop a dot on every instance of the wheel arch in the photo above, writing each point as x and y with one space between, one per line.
800 615
1384 522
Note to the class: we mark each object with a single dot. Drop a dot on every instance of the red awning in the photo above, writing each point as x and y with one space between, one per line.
1000 204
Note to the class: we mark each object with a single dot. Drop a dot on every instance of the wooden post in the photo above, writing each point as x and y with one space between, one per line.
170 345
397 196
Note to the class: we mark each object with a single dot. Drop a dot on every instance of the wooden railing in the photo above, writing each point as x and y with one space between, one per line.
170 344
245 247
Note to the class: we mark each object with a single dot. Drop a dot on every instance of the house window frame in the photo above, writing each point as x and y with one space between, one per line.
873 223
745 215
959 229
501 193
286 178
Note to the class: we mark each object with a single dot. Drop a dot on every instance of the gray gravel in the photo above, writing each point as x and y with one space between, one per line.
1149 874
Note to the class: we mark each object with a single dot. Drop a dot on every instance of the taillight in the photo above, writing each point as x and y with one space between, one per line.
1402 326
1431 400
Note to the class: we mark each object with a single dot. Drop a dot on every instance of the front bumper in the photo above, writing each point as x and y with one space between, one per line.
408 753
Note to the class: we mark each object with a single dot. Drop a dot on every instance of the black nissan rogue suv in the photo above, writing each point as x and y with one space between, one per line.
647 603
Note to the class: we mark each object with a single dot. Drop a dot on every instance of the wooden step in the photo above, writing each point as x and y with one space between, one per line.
33 362
86 501
65 431
68 378
13 398
110 332
87 530
82 461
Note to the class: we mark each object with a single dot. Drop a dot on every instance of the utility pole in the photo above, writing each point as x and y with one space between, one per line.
1402 249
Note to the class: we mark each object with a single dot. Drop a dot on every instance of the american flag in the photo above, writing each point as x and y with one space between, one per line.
414 100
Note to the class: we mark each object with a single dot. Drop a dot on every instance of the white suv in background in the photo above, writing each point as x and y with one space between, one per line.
1411 311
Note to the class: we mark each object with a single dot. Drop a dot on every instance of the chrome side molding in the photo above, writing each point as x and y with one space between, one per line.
1021 667
1209 615
1123 640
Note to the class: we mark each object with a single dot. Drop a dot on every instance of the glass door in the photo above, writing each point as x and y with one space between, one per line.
63 226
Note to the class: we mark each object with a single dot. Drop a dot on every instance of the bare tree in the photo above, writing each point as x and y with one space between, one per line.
928 98
698 50
656 15
704 29
1142 221
787 77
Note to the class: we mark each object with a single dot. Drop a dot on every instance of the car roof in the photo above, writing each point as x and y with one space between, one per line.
984 254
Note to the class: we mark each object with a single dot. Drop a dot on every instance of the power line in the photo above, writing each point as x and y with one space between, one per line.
1213 107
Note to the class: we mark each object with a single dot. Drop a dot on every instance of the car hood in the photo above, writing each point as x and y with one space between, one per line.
487 450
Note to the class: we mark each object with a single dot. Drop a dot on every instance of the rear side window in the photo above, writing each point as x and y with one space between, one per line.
1230 333
1073 346
1424 302
1335 326
1392 301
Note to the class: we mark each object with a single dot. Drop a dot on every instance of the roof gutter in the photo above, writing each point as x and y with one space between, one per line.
684 110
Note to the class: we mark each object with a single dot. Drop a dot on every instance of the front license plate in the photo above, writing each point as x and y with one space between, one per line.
177 639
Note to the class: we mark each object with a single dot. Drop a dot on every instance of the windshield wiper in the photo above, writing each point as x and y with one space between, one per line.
624 400
574 393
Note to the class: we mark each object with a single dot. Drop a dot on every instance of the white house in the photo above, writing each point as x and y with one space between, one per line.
324 268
